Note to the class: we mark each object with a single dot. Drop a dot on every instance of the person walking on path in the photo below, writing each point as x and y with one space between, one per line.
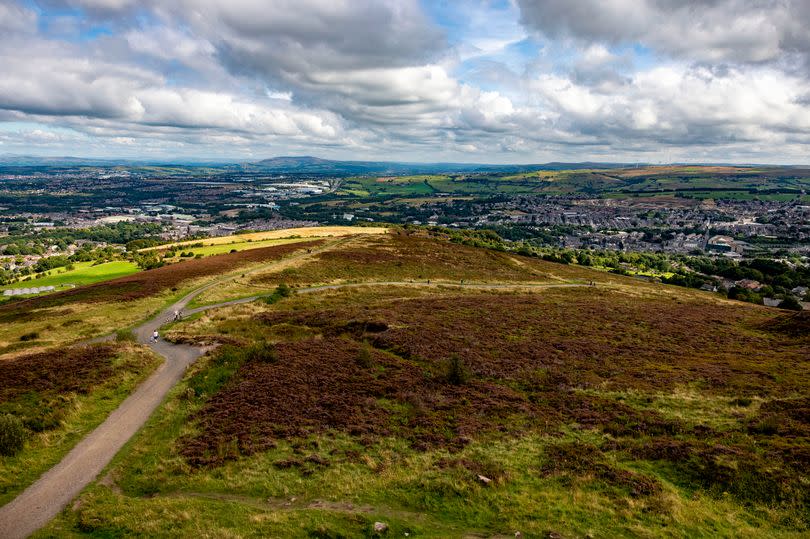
155 336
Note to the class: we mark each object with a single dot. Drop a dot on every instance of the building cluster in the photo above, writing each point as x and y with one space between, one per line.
728 228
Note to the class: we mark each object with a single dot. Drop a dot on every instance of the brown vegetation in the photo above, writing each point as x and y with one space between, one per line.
151 282
403 255
319 385
37 387
62 370
582 338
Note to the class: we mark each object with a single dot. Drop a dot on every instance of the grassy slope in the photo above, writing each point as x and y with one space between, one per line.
87 273
75 409
628 375
84 273
101 308
77 413
304 233
223 248
611 183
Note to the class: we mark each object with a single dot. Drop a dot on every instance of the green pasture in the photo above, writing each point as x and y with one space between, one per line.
84 273
222 248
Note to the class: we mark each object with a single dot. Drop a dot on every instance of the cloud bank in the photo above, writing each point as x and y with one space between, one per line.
487 81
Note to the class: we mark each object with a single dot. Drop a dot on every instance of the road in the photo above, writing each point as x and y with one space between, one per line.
54 490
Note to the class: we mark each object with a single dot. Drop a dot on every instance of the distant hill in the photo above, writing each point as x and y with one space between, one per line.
297 164
16 160
55 161
315 165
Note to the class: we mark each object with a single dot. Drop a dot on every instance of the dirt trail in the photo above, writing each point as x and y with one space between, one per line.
49 494
54 490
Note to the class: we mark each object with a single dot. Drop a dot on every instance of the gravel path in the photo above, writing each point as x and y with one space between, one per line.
43 500
54 490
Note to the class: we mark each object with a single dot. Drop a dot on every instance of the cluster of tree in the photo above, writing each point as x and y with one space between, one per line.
147 261
775 273
39 242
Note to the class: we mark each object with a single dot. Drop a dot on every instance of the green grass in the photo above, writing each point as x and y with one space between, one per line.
209 250
84 273
86 411
417 493
600 183
337 484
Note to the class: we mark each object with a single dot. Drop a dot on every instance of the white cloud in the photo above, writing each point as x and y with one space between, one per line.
379 77
747 31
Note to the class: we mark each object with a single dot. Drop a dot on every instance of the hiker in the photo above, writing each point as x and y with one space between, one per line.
155 336
176 316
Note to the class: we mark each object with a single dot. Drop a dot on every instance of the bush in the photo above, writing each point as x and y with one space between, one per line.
282 291
790 303
30 336
124 335
456 373
364 358
260 352
12 435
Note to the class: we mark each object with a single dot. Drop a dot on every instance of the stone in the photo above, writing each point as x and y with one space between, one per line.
484 479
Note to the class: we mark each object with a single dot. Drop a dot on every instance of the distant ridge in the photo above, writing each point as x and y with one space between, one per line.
305 164
315 165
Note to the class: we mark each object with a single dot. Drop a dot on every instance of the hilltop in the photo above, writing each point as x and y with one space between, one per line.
444 389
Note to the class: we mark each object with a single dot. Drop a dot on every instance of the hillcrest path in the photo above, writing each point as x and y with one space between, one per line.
54 490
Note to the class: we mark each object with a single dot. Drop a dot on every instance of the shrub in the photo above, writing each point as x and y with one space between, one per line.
741 401
30 336
282 291
124 335
260 352
790 303
456 373
364 358
12 435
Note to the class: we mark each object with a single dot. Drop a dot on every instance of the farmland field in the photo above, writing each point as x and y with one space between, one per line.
243 240
84 273
444 410
235 245
692 182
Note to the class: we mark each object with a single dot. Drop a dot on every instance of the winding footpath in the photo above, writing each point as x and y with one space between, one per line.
55 489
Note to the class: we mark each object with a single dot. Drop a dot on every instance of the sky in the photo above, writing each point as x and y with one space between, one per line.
501 81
